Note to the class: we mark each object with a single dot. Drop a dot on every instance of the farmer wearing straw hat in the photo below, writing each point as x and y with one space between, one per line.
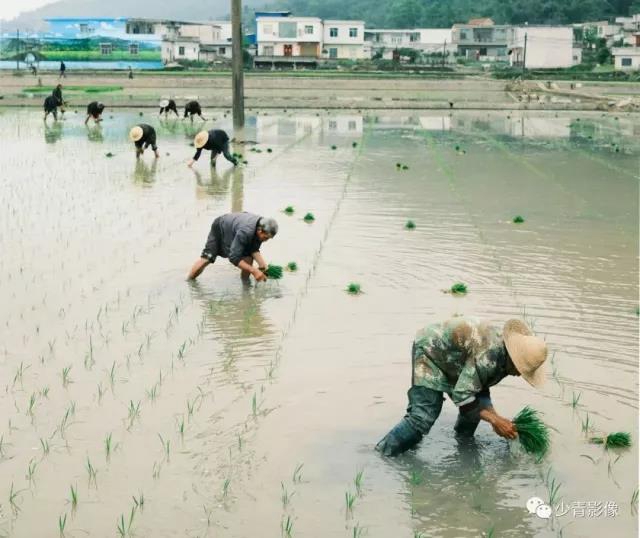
215 140
463 358
237 236
143 136
168 105
94 110
191 109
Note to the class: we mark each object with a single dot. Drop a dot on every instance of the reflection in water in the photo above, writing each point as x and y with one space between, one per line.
94 133
216 187
237 190
143 173
53 132
169 125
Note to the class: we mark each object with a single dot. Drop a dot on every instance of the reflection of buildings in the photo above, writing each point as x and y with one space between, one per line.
274 129
343 124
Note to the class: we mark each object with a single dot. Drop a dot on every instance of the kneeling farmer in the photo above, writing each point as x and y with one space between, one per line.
237 236
464 358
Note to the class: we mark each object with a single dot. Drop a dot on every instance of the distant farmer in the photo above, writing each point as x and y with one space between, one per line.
191 109
50 107
130 73
143 136
237 236
94 110
215 140
463 358
63 69
168 105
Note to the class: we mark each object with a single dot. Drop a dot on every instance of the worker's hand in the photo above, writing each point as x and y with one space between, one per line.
259 276
190 163
504 428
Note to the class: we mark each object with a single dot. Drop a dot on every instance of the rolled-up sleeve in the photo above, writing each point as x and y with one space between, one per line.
467 387
238 246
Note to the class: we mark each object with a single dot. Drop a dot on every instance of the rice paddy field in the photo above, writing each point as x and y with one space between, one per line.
135 403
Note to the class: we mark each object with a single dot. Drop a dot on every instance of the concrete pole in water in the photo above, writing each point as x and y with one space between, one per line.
237 64
524 56
17 50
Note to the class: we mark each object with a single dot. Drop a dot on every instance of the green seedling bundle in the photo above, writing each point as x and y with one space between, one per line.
292 266
309 217
410 225
518 219
613 440
289 210
274 271
354 288
533 434
459 288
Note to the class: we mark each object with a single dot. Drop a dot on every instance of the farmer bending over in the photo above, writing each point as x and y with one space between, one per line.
94 110
464 358
143 136
217 141
238 236
168 105
57 94
192 108
50 107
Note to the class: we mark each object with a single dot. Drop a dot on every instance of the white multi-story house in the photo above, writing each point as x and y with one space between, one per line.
196 41
289 37
343 40
547 47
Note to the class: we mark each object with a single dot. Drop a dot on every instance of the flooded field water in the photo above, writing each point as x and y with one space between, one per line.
208 409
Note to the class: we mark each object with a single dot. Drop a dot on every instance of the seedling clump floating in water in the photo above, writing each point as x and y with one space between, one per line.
109 154
518 219
292 266
274 271
334 147
289 210
405 167
410 225
354 288
398 165
533 434
459 288
613 440
309 217
354 144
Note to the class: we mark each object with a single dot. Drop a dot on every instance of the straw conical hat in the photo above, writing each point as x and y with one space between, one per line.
528 352
201 139
135 133
164 103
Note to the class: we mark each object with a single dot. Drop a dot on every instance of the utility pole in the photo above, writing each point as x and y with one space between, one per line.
237 64
17 50
444 52
524 56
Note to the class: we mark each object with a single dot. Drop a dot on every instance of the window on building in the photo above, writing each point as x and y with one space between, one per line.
333 32
287 29
133 48
268 29
222 51
333 52
353 32
180 51
308 29
333 125
463 35
267 50
352 125
626 62
414 37
106 48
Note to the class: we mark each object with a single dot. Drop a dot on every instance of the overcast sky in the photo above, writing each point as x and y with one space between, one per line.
10 8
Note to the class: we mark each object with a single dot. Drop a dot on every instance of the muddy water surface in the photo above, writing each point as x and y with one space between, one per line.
178 409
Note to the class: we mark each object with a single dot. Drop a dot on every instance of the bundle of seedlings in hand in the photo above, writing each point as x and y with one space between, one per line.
518 219
292 266
410 225
354 288
274 271
309 217
613 440
459 288
289 210
532 432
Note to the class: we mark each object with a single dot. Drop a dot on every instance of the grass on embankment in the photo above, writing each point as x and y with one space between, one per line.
85 89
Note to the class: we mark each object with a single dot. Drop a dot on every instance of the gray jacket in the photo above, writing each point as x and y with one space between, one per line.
237 232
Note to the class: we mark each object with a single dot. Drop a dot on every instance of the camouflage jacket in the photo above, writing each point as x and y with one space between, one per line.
460 357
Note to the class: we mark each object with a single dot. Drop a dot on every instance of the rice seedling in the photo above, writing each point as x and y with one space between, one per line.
225 487
309 217
31 470
166 446
613 440
285 496
181 427
292 266
65 375
518 219
418 534
334 147
587 425
634 501
13 499
108 446
74 497
415 478
398 166
92 472
289 210
269 150
358 531
109 154
45 446
459 288
553 487
32 404
134 412
349 500
354 288
410 225
354 144
254 404
575 399
533 434
297 473
286 526
274 271
405 167
357 481
62 524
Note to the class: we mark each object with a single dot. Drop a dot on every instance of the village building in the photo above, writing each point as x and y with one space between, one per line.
481 39
343 40
293 41
627 58
540 47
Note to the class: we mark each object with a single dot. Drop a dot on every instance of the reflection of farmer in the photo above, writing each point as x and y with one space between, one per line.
143 173
464 358
94 110
192 108
63 69
216 141
237 236
143 136
168 105
54 133
51 107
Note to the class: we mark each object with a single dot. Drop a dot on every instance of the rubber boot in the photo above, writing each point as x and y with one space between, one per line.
401 438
